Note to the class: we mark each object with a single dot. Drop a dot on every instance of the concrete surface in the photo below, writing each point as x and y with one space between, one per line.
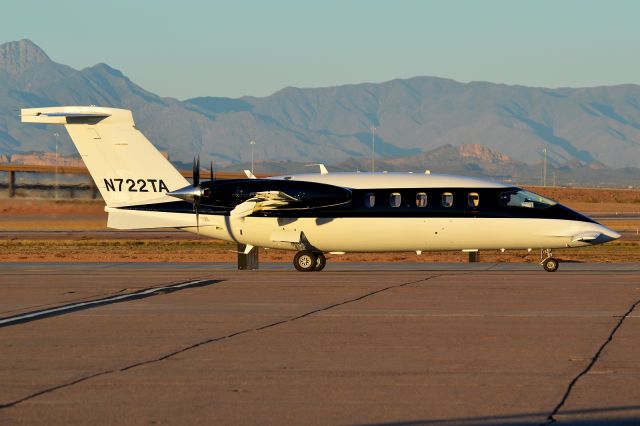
471 344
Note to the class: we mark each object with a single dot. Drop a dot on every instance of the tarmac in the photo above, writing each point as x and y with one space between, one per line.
356 344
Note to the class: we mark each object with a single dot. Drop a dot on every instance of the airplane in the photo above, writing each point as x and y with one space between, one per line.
316 213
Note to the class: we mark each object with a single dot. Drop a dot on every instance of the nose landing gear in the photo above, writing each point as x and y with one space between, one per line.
308 261
549 263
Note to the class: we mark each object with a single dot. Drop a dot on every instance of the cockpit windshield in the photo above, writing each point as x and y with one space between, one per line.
522 198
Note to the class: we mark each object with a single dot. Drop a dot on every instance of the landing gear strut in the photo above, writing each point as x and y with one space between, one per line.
307 261
549 263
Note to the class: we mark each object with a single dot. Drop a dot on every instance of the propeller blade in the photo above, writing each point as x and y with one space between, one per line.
195 192
196 171
211 170
196 207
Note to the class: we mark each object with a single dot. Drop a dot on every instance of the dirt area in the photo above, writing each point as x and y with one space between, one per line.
594 200
48 208
46 215
43 215
568 196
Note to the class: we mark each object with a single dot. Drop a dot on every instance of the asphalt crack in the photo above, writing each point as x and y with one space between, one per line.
210 341
551 418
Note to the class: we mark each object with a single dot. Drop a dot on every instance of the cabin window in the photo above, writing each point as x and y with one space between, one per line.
522 198
474 199
421 199
369 199
447 199
395 200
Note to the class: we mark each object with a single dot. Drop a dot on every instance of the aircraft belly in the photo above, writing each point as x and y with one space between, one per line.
407 234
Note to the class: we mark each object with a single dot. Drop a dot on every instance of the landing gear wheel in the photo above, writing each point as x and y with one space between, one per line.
305 261
321 261
550 264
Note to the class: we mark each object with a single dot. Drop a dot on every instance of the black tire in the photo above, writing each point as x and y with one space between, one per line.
550 264
321 262
305 261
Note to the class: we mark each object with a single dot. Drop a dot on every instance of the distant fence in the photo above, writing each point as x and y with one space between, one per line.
13 169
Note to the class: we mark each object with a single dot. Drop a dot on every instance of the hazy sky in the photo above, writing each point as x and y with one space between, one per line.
233 48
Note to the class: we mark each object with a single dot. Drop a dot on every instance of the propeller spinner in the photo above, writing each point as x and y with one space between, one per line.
193 192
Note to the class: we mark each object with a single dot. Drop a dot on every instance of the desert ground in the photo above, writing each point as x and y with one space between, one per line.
75 231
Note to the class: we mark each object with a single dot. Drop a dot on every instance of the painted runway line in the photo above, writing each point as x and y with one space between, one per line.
79 306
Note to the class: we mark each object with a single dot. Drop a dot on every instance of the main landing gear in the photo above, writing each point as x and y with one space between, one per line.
549 263
308 261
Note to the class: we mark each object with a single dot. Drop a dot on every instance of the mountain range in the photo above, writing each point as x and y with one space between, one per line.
592 128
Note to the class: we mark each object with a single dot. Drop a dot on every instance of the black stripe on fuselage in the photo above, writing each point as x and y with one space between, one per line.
489 206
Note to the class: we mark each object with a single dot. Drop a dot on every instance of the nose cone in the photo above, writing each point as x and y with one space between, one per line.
606 235
591 234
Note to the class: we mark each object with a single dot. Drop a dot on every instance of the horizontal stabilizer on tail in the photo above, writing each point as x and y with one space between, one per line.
141 219
59 115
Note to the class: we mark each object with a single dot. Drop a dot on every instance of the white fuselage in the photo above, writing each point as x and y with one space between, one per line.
405 234
388 233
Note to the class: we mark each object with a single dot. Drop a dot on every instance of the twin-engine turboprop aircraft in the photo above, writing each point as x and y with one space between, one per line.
314 214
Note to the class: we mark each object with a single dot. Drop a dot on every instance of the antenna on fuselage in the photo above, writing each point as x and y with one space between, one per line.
323 169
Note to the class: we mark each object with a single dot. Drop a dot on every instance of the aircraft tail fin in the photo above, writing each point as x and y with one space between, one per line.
125 166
